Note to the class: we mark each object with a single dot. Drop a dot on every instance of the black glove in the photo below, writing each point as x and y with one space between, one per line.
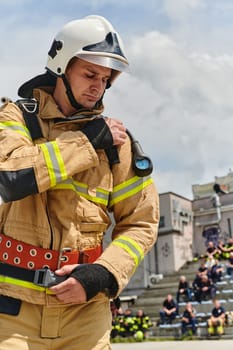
98 133
95 278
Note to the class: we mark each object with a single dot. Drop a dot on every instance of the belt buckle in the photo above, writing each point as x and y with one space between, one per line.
44 278
61 257
47 278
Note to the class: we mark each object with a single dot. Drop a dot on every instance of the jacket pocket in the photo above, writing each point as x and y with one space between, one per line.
91 234
9 306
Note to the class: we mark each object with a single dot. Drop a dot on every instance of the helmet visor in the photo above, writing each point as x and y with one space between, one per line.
106 61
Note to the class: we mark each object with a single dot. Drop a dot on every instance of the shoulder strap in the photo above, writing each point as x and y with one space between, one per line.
30 108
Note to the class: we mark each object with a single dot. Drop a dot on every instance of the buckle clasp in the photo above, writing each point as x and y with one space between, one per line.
47 278
44 277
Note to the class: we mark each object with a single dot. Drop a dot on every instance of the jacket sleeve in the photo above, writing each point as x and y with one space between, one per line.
27 168
135 206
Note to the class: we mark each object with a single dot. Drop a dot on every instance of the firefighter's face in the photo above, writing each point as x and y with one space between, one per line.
88 81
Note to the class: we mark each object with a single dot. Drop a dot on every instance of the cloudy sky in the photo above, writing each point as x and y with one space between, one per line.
178 98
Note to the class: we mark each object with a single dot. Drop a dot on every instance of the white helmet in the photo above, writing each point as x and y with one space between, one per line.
94 40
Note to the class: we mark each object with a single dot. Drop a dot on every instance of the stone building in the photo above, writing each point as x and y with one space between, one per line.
174 244
212 212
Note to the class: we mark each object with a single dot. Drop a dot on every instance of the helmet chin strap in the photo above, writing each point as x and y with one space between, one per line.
70 94
71 97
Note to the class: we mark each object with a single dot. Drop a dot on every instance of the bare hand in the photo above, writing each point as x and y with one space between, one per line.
117 129
69 291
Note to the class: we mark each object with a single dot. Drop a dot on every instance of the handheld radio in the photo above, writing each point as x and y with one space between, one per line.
142 164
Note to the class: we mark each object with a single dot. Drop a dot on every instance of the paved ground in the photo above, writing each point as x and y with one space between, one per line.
177 345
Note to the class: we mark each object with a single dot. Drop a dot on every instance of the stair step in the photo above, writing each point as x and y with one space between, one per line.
152 298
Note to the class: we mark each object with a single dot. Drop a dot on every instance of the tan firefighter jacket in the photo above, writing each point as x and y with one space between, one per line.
72 191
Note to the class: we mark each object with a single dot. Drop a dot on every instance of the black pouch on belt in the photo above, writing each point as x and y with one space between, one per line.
9 306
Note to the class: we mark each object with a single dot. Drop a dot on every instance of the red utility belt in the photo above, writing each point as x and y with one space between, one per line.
30 257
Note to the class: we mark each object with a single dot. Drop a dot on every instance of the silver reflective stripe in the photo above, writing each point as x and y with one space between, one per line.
101 196
53 157
54 162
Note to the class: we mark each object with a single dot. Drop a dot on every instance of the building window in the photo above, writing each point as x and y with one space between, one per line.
162 222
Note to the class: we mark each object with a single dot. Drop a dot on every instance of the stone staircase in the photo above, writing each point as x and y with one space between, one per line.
152 298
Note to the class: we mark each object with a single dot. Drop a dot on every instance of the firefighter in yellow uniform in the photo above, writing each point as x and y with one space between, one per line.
216 321
63 169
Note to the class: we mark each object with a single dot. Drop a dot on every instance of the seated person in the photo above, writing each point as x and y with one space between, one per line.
229 265
216 272
216 321
209 263
183 289
205 289
169 311
189 319
128 323
142 323
212 251
118 324
123 324
226 249
203 269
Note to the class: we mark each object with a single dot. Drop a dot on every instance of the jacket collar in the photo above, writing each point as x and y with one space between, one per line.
50 110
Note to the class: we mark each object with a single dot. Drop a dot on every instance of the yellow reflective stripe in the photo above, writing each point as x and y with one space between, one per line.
49 164
131 247
129 188
101 195
15 126
24 284
54 162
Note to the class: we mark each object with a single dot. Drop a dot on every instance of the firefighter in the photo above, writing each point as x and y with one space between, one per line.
142 323
216 321
64 168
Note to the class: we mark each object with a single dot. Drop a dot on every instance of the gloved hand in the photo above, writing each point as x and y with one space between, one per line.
98 133
95 278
